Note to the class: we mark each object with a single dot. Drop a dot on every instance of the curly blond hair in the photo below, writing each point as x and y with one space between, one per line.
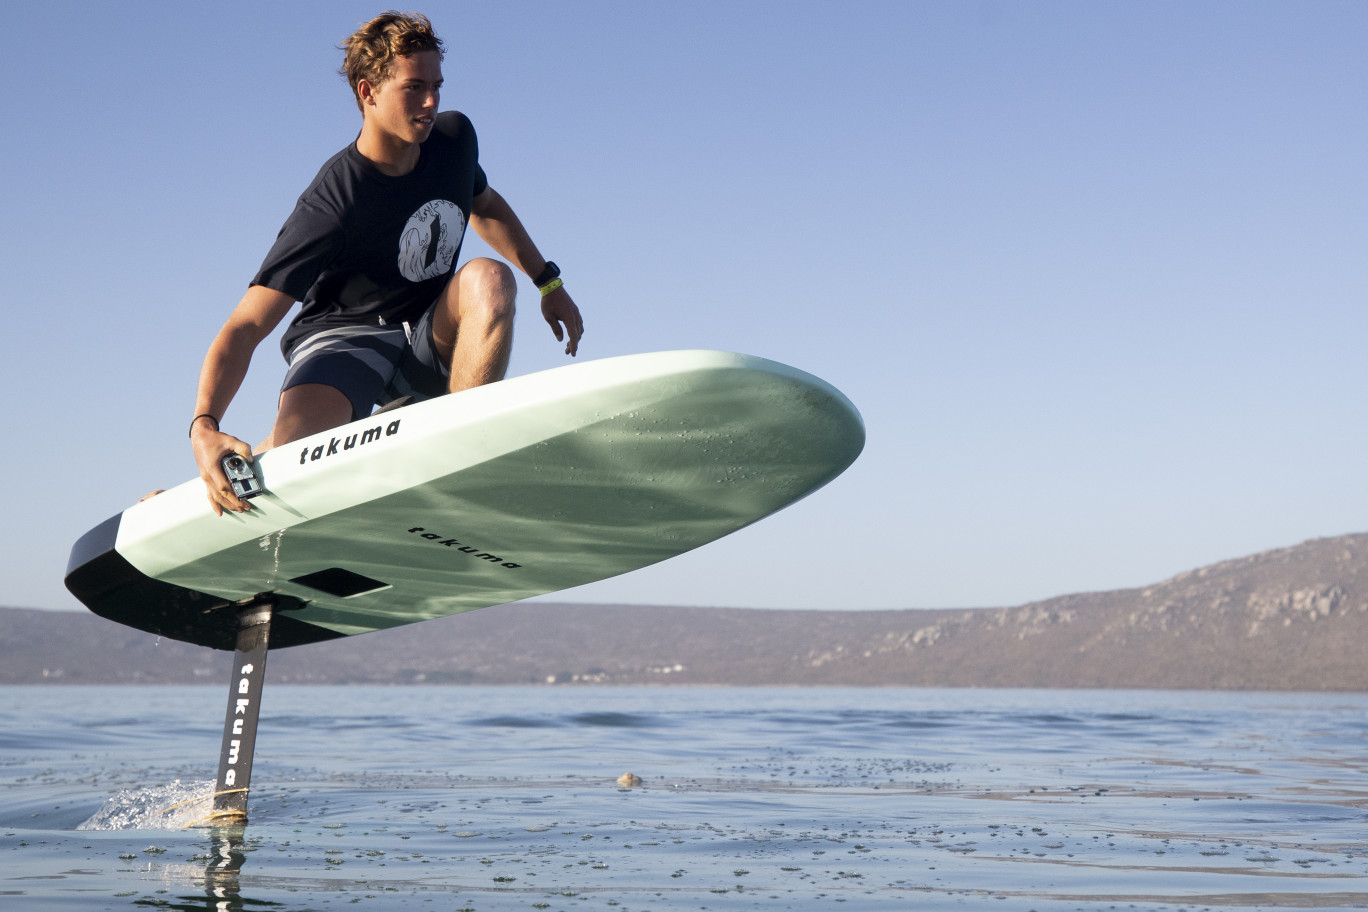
371 50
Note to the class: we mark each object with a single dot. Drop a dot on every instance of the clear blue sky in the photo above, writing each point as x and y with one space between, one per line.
1094 273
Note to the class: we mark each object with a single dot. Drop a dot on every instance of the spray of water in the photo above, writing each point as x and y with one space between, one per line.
160 807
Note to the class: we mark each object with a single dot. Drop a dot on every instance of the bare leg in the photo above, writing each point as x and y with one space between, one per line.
473 323
473 329
307 409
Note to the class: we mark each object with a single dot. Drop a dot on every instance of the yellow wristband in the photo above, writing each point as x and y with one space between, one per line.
551 286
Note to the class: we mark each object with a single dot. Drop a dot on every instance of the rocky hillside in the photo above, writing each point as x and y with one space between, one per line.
1290 619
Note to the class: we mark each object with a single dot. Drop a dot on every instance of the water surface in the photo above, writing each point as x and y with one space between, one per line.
508 798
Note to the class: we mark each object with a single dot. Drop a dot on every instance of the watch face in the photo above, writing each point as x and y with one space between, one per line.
552 271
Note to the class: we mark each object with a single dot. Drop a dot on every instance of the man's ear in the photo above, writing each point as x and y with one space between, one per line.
365 90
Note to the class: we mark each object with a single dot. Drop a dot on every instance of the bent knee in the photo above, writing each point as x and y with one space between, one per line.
489 288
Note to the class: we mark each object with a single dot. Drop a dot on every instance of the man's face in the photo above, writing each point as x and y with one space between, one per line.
405 105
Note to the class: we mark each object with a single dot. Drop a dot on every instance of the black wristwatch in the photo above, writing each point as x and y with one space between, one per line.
550 273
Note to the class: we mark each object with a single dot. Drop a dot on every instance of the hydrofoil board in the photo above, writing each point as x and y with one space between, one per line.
519 488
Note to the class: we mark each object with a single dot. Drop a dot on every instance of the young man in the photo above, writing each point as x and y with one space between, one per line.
370 250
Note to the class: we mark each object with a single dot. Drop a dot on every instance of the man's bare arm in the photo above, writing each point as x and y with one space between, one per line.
499 227
225 366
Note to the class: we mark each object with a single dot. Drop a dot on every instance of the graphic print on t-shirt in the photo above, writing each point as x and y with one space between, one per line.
428 244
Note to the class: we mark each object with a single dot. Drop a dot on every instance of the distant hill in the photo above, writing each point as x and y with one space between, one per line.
1289 619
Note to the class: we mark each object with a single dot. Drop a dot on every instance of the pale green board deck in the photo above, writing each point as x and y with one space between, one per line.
566 477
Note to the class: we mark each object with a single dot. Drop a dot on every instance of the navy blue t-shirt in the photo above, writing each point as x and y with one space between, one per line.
362 247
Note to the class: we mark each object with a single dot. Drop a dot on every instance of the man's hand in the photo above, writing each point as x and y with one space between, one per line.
558 310
211 446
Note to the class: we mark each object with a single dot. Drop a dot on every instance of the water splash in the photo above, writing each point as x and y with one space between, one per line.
160 807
